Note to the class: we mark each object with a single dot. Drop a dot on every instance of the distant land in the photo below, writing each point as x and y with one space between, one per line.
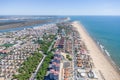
21 24
7 22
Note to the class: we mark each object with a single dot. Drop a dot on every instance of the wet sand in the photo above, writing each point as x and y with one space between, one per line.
101 63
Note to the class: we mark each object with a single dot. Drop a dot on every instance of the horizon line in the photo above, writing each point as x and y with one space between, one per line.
50 15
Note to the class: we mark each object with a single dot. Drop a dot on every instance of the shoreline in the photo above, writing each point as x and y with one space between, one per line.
107 67
108 56
103 51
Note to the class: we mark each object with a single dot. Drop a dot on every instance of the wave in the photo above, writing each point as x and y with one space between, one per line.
103 48
107 52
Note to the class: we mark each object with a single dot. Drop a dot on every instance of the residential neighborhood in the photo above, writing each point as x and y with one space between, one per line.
48 52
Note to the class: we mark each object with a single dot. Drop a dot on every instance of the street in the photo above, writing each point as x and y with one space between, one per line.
34 74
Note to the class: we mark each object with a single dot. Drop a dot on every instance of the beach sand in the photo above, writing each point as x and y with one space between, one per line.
101 63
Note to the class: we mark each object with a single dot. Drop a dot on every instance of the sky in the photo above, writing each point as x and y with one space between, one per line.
59 7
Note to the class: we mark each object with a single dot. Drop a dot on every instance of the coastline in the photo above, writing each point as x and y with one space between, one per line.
108 56
103 50
103 62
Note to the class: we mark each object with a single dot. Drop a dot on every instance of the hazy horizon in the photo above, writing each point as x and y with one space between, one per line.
60 7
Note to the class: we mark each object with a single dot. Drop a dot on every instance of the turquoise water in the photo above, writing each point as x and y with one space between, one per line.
106 30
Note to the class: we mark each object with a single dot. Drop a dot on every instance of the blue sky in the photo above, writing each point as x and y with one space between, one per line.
59 7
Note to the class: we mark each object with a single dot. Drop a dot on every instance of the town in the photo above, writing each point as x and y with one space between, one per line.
47 52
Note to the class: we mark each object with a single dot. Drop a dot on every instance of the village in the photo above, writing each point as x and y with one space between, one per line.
17 46
71 60
65 58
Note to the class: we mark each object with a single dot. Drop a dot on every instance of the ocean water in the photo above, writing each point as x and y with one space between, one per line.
105 30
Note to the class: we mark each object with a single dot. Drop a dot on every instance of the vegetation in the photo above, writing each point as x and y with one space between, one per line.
53 49
43 70
28 67
68 57
47 40
45 43
7 45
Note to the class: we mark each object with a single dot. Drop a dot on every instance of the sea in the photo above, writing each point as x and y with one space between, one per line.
105 30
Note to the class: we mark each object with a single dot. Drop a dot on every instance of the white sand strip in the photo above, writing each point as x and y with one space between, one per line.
100 61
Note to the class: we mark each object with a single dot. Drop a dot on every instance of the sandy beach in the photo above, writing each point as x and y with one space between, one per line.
101 63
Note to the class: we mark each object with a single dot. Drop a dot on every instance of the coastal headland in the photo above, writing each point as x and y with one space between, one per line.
101 63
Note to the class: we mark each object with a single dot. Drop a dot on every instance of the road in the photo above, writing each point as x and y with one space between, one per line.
35 73
73 55
33 76
51 46
73 58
